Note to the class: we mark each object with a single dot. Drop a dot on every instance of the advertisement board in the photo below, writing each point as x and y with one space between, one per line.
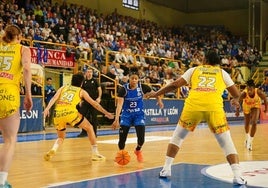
33 120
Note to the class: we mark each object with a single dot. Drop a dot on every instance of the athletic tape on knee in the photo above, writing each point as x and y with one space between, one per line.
226 143
178 136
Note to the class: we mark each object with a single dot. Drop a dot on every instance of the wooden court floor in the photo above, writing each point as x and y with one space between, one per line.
73 163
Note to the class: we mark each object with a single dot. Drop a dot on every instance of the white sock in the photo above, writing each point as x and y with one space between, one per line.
55 146
247 136
251 139
3 178
236 170
168 162
95 149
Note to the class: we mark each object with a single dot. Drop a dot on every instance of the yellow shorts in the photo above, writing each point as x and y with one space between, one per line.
216 120
64 116
9 100
247 108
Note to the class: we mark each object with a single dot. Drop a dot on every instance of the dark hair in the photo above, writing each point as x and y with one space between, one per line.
77 79
11 31
49 78
250 83
212 57
134 70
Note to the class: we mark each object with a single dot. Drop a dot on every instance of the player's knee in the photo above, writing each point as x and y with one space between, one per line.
226 143
178 136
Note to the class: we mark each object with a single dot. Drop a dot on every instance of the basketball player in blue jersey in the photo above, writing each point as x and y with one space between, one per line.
130 107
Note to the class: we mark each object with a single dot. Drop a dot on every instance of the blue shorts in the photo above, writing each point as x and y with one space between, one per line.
132 119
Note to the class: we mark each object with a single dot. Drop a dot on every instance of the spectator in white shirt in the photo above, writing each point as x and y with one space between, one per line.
84 47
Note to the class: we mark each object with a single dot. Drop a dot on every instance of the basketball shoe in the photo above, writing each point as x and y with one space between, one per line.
249 145
97 157
49 154
164 173
239 181
139 155
7 185
246 143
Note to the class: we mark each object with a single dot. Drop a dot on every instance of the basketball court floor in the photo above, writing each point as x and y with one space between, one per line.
200 163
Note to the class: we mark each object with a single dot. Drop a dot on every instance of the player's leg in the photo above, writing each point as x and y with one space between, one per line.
84 124
255 112
123 132
218 125
59 141
140 132
187 118
225 141
9 127
173 148
247 117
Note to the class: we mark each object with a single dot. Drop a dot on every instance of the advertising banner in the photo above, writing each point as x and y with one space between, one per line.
172 110
168 115
32 121
52 58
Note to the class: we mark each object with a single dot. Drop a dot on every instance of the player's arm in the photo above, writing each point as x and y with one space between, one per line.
263 97
119 105
183 80
240 101
170 87
84 95
120 101
27 76
232 89
146 89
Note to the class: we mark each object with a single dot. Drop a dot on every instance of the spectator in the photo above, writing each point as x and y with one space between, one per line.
49 93
84 48
238 77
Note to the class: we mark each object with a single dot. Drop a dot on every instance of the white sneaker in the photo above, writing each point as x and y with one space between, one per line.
246 143
239 181
249 145
164 173
49 154
97 157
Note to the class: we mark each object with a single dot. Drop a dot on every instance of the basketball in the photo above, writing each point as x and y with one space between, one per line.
122 157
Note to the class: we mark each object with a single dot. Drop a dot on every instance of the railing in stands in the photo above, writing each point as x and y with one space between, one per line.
256 76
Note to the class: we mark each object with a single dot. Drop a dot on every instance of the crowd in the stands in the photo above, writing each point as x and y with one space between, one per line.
131 40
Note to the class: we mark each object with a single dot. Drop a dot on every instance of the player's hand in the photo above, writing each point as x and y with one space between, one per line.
235 103
109 116
115 124
237 113
28 103
150 95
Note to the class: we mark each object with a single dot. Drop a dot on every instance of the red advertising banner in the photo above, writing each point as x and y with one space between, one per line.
52 58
